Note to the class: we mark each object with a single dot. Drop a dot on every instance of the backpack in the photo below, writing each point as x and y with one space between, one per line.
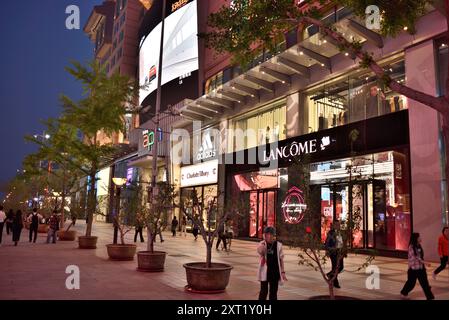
34 219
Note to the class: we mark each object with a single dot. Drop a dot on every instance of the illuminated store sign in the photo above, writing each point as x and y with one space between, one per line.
148 138
294 207
178 4
207 149
295 149
199 174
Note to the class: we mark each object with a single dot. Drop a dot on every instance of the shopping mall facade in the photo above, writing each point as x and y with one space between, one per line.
363 148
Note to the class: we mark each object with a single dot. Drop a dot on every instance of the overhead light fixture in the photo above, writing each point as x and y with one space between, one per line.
252 96
346 54
324 41
405 28
322 64
301 53
283 82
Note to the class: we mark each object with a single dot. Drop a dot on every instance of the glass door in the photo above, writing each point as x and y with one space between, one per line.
262 211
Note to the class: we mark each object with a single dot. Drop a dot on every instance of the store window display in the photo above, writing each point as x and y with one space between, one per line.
354 99
262 128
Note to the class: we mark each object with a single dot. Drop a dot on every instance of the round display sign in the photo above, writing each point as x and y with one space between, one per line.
293 206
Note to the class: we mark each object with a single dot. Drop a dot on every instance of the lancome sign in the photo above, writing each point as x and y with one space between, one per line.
296 148
199 174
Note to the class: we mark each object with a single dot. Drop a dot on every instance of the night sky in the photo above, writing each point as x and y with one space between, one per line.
35 48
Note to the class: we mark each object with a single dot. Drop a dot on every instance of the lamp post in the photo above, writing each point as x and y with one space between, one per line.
119 182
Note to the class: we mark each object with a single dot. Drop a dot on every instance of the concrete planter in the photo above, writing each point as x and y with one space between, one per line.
67 235
43 228
207 280
121 252
87 242
151 261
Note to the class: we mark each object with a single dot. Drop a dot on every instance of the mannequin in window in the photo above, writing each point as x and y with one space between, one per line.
267 135
372 101
275 132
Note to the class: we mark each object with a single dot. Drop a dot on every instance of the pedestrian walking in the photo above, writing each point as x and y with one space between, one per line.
53 227
17 225
195 231
334 245
442 251
221 237
73 217
34 218
2 222
159 231
139 228
174 225
416 268
9 219
271 272
184 226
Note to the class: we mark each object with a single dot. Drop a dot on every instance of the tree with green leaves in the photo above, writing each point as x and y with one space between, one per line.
102 108
246 27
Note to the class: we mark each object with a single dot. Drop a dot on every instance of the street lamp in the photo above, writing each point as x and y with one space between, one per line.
119 182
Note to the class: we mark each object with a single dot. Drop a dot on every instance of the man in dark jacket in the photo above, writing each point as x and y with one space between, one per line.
174 225
334 244
34 219
54 227
221 237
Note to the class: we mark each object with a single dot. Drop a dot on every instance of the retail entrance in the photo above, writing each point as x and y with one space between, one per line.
262 211
365 205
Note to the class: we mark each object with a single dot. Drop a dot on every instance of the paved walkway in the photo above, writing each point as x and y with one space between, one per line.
37 271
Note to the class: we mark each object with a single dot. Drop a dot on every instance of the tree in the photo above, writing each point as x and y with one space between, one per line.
194 207
102 108
245 27
59 174
313 253
152 212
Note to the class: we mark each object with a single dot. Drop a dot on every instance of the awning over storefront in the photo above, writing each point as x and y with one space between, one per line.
298 59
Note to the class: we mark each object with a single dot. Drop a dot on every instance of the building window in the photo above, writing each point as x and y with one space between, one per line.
214 82
354 99
119 53
121 36
262 128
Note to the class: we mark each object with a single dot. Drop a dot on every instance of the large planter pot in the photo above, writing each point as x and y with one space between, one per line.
151 261
121 252
42 228
207 280
87 242
67 235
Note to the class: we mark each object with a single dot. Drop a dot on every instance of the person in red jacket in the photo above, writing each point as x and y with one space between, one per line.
442 251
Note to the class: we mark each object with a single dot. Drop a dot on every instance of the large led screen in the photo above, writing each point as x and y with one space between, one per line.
180 50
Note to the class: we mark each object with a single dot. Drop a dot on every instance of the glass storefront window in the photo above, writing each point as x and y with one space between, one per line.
263 128
380 198
354 99
205 194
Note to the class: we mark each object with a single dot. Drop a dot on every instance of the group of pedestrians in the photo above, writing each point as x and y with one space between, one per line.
15 222
271 271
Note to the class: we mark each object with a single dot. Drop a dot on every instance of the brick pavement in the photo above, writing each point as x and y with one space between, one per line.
37 271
